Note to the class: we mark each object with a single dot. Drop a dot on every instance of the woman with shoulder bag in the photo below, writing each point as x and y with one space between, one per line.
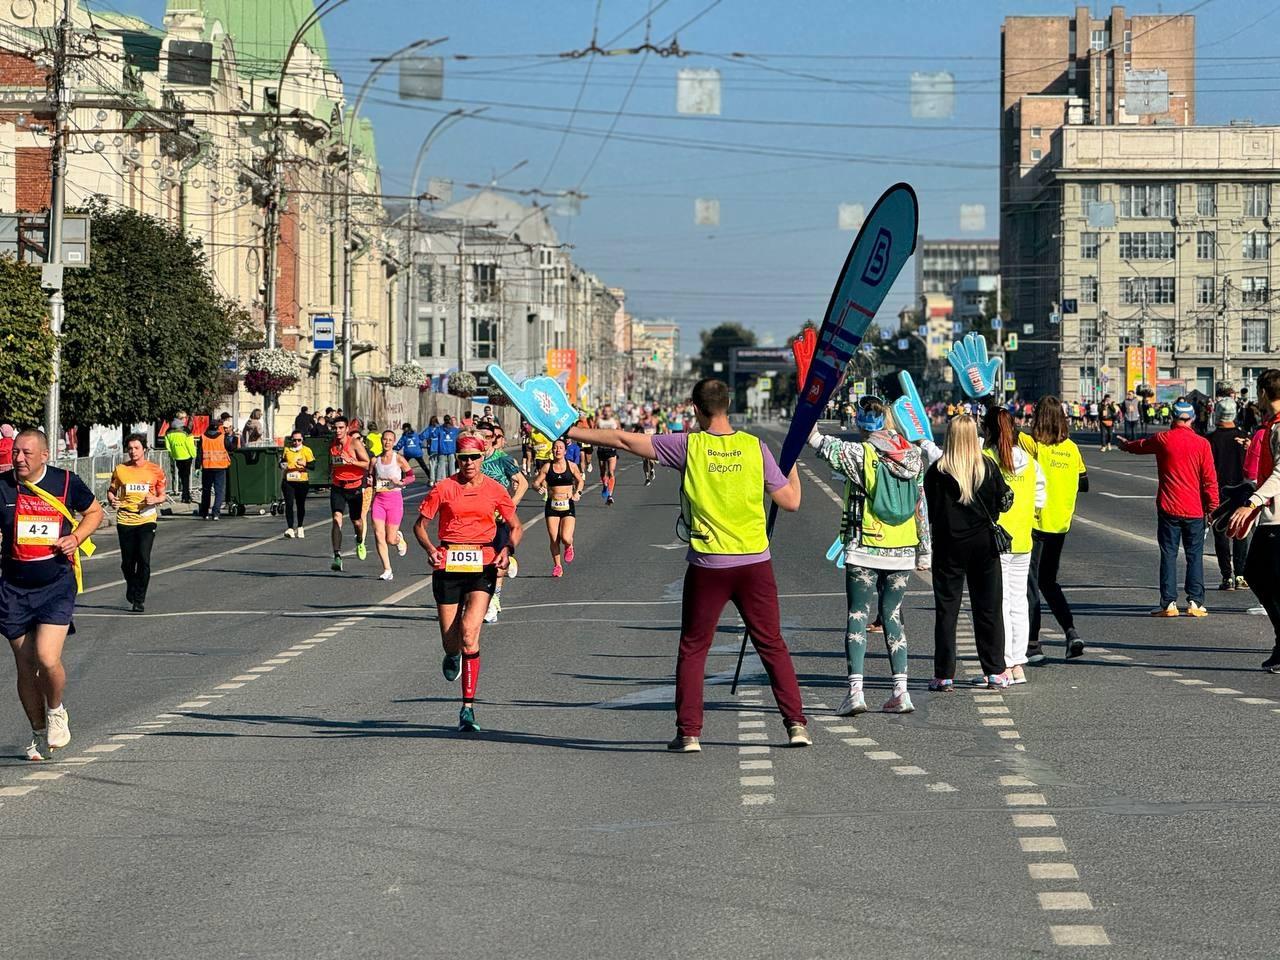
1025 478
965 493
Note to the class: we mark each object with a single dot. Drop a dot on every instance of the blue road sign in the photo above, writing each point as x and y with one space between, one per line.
322 333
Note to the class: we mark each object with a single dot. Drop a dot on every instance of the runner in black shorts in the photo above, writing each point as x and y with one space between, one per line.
564 483
607 455
465 563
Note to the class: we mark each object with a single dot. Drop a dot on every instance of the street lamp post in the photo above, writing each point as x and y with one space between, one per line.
411 292
380 63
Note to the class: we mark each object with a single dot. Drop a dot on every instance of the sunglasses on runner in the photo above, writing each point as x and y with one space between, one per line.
464 457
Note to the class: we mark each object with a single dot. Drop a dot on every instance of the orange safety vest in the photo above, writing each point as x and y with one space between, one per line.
214 449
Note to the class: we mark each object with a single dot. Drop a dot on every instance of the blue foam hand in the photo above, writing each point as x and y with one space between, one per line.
978 375
540 400
910 413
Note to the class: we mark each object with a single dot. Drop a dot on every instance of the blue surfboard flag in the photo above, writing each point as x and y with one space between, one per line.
878 254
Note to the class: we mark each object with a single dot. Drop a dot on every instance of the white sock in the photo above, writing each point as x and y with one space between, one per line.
899 684
57 709
855 683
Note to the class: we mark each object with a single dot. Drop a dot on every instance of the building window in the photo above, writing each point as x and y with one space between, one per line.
1128 41
1206 244
1206 199
1088 246
1257 198
1035 132
1071 39
1255 335
1149 245
1147 200
1253 289
1207 337
1205 291
1088 195
1036 155
1071 69
484 277
426 335
1127 334
484 338
1088 332
1138 290
1254 245
1088 289
1160 335
1099 40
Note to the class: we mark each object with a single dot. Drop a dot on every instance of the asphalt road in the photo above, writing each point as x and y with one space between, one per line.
265 765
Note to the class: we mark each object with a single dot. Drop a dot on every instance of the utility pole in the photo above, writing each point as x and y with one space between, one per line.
57 203
1226 331
462 295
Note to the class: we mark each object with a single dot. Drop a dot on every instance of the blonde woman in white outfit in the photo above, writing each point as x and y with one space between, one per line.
1026 480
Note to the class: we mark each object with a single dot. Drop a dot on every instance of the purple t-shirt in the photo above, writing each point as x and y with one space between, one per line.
673 451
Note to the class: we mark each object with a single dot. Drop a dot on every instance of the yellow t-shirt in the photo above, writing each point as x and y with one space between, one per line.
296 463
131 485
373 443
1062 466
541 445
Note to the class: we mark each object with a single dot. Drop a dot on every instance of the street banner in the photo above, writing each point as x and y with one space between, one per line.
540 400
878 254
562 365
910 413
1139 367
978 375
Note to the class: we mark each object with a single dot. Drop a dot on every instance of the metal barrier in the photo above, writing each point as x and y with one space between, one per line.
96 471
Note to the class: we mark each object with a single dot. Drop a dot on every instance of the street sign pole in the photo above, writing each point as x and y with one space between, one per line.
57 201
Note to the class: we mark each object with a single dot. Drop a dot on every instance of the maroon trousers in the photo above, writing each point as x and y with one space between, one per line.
754 592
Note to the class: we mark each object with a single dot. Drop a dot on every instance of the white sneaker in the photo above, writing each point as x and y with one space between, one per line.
38 749
59 728
302 534
491 614
402 546
288 532
853 703
513 568
386 575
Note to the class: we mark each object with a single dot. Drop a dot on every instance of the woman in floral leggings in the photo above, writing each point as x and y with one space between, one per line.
886 536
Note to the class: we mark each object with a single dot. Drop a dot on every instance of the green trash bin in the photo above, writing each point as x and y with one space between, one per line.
318 472
253 482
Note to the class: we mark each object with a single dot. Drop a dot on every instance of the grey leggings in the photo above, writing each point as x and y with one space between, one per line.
866 588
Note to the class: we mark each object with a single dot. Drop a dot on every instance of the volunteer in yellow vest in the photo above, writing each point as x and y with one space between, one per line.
1065 476
215 460
349 464
1025 478
182 452
726 476
295 462
39 578
136 489
880 551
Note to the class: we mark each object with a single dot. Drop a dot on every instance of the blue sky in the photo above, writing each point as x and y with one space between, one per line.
816 114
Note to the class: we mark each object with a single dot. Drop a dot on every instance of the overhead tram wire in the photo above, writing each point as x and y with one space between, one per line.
586 79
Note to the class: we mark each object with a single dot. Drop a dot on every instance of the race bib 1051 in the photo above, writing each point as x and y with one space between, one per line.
464 560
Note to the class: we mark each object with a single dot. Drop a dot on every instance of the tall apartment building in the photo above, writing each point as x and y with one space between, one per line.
1119 71
940 264
1162 238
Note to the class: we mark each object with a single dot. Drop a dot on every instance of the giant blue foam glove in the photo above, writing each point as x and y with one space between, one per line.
540 400
836 553
978 375
909 411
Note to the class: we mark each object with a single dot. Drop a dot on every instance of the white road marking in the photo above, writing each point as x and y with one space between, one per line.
1042 844
746 724
1008 735
1255 701
756 781
104 748
229 686
881 755
244 678
1065 901
1032 821
1015 782
1052 871
753 736
756 799
128 736
752 749
755 764
1193 682
909 771
1221 691
16 791
941 787
46 775
275 662
1025 800
861 742
993 710
193 705
261 669
1079 936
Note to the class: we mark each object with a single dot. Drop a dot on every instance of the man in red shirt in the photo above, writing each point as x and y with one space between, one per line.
7 433
1188 492
466 562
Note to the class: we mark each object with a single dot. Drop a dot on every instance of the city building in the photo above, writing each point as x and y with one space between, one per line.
941 263
1121 71
1156 237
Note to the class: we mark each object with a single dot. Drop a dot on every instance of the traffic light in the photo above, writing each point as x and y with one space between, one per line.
1011 342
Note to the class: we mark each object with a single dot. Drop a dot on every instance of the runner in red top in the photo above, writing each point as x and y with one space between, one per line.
350 464
465 563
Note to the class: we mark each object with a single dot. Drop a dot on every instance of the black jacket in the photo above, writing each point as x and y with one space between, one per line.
952 521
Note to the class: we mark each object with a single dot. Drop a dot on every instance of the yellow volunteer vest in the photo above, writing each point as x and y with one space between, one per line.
1019 518
875 532
1062 466
723 494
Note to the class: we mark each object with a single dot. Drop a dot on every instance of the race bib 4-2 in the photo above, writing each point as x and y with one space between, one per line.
464 560
38 531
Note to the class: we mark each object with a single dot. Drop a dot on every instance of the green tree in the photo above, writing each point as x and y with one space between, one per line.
26 343
716 344
146 330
